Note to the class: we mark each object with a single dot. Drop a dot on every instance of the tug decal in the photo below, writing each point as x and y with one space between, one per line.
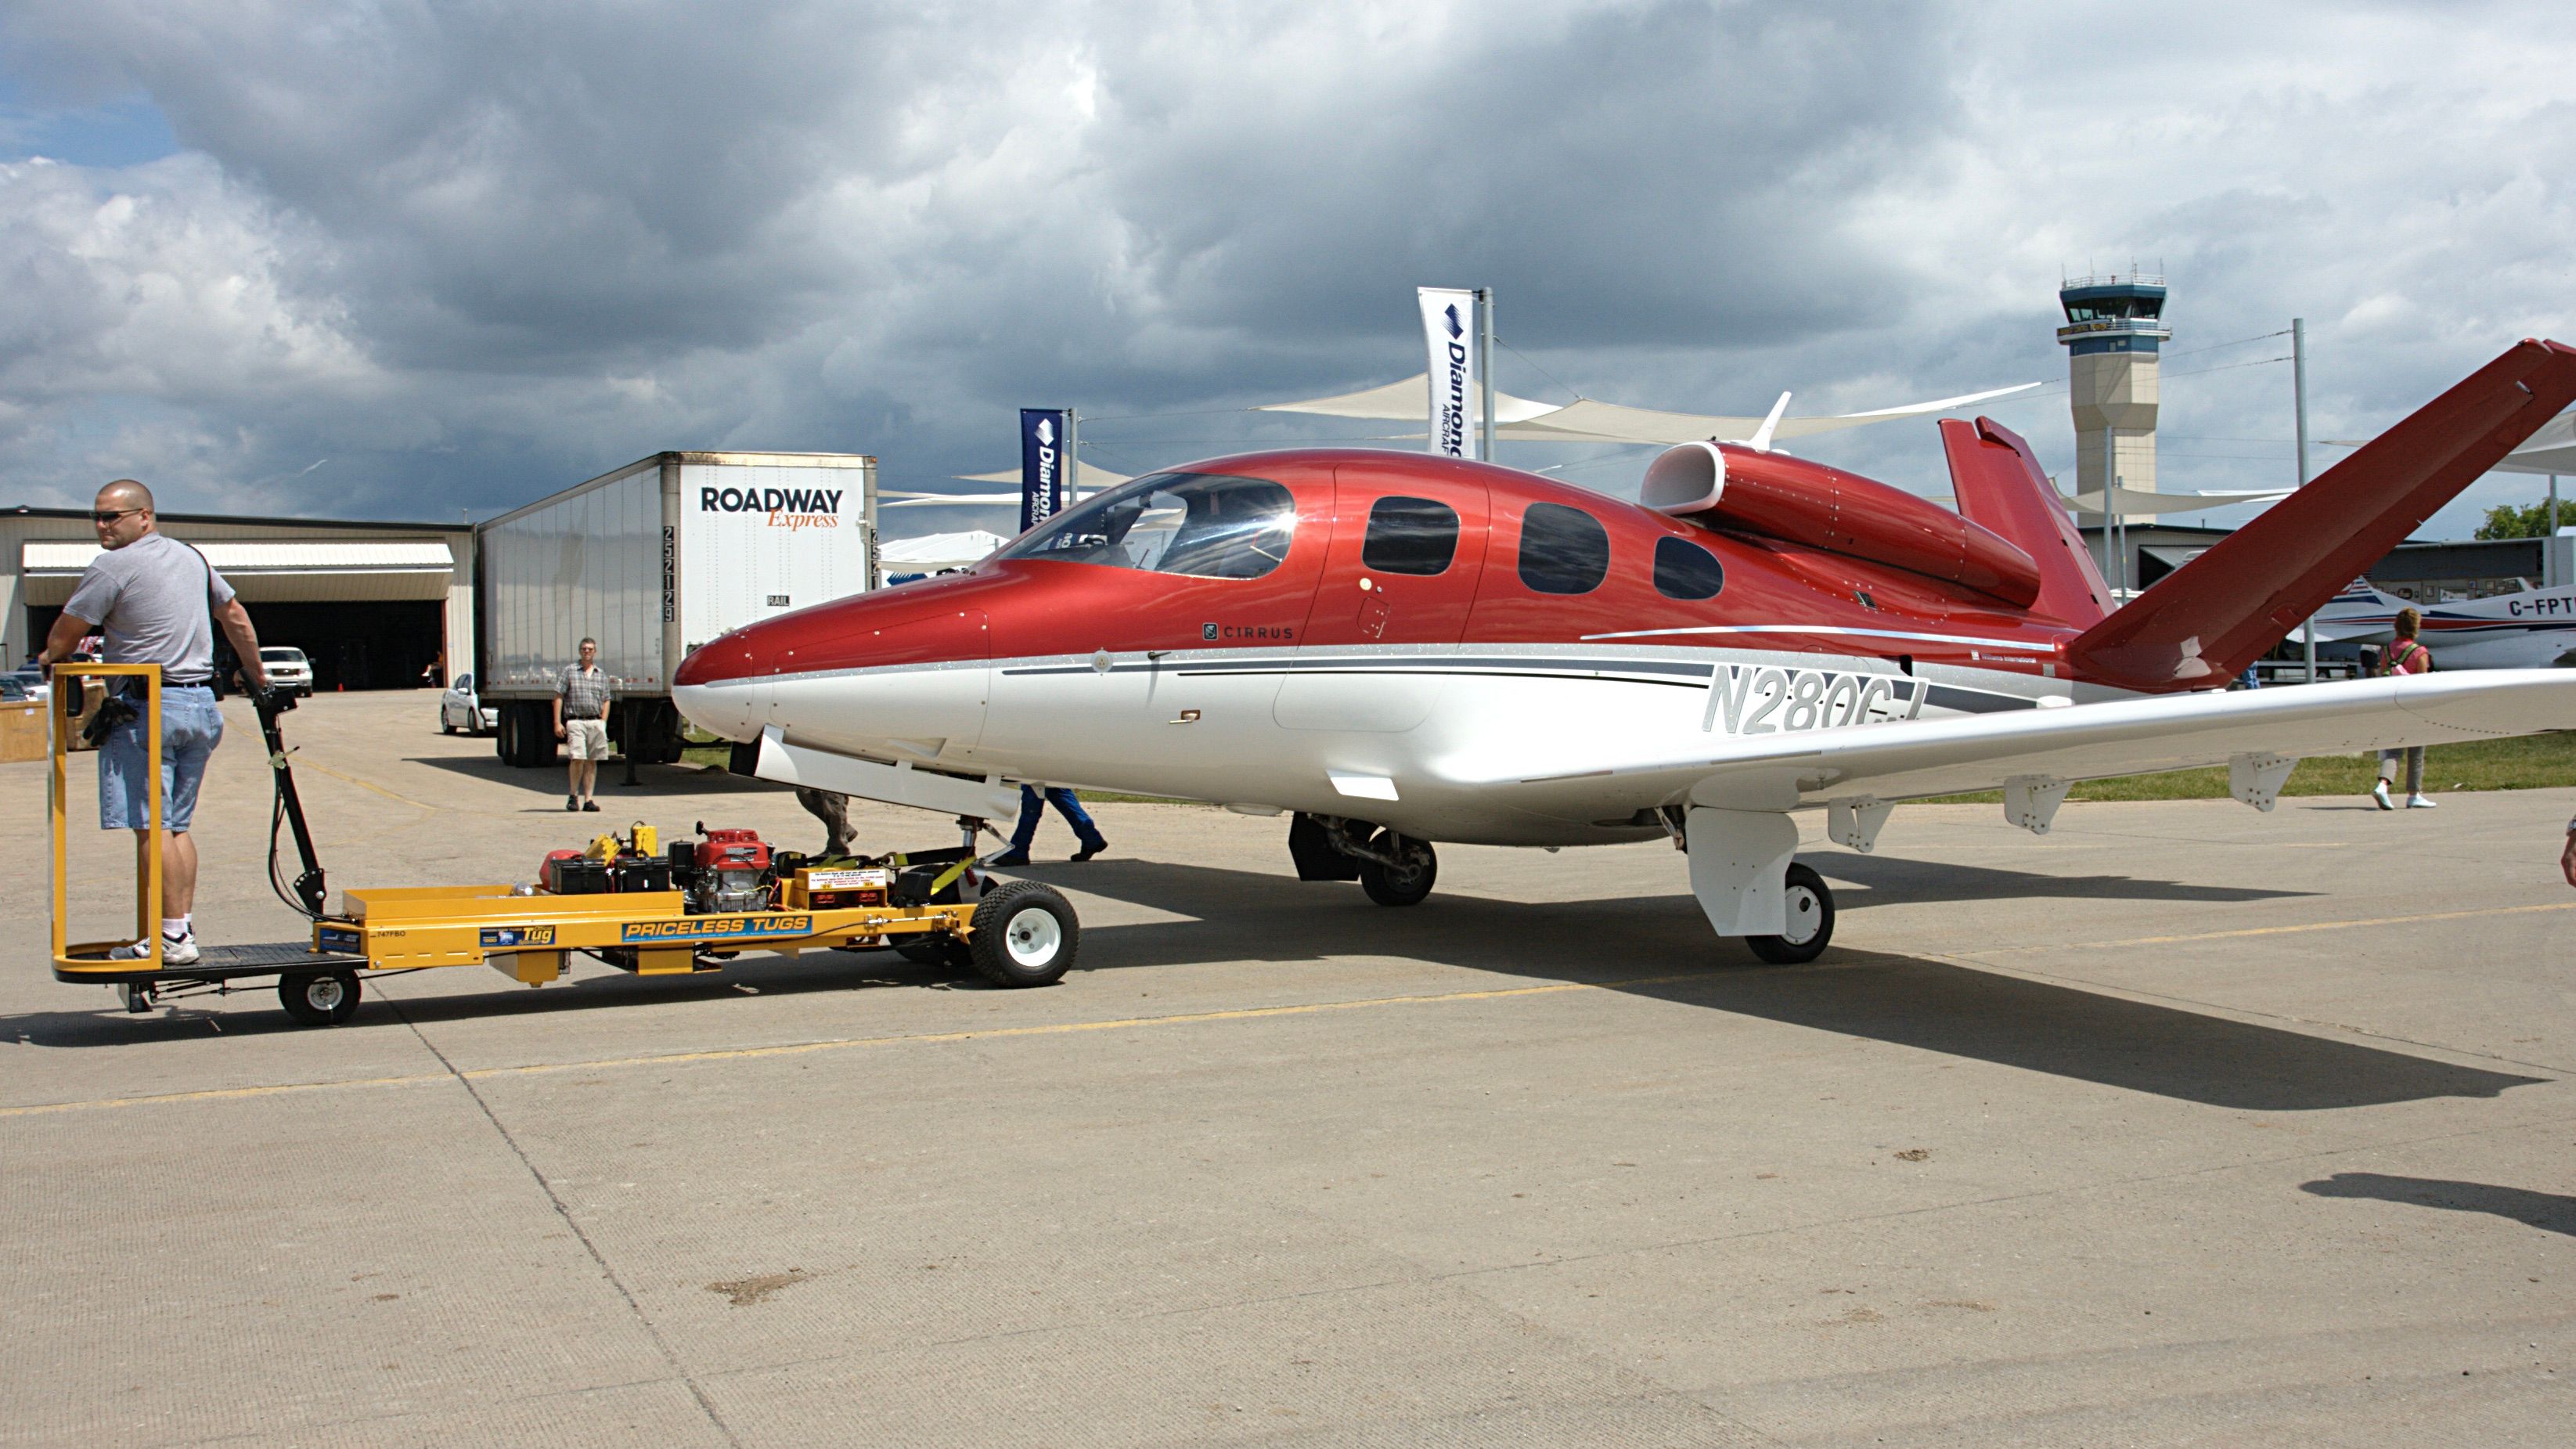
717 928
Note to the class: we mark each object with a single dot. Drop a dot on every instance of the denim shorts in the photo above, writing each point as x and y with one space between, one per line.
191 727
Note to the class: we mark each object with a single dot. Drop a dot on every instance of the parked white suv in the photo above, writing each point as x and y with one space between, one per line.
289 672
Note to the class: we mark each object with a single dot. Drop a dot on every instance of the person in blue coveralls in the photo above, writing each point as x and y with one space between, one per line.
1033 809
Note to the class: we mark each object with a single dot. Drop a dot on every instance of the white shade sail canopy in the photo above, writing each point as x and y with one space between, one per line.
2551 450
1588 420
938 550
1086 476
2138 503
1408 401
1592 421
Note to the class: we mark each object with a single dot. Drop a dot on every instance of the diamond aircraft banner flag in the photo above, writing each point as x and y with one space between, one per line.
1042 487
1449 332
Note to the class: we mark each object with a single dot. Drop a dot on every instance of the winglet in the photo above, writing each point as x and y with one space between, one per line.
1760 442
2202 624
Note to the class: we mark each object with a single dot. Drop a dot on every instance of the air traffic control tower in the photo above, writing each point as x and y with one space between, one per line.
2114 328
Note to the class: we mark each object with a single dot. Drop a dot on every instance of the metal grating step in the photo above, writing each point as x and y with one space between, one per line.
272 956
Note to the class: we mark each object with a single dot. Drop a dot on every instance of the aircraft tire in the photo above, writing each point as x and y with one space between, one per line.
1404 886
1025 935
1811 922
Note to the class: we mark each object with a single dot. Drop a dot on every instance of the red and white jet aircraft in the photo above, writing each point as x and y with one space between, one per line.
1401 649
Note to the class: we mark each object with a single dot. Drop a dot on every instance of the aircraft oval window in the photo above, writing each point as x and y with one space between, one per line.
1563 550
1410 536
1684 570
1205 525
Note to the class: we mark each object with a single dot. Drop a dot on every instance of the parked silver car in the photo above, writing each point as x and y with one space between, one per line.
460 708
289 672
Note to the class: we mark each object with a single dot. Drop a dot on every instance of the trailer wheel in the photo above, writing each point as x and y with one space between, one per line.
1403 884
1025 935
1811 922
320 998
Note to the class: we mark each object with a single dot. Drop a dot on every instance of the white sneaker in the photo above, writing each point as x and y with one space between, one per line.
2379 792
2418 802
181 952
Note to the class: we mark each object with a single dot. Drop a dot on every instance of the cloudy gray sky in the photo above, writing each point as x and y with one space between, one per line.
411 259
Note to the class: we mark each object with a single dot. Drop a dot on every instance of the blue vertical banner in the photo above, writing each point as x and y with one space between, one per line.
1044 449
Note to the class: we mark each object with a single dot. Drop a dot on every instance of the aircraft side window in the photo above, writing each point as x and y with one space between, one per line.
1205 525
1410 536
1563 550
1684 570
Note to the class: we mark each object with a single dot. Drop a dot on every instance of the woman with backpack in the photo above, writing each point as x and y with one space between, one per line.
2404 655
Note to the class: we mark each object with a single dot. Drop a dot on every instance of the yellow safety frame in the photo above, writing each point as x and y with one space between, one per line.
76 959
527 937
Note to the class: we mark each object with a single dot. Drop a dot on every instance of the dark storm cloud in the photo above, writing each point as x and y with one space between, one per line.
471 253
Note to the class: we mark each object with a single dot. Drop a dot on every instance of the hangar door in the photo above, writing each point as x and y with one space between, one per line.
369 615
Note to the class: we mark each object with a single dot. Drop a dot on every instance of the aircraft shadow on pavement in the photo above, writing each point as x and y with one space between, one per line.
1655 946
1893 880
547 781
1637 945
2547 1211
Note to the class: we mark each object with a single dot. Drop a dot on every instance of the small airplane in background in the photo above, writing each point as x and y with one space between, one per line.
1395 649
2529 629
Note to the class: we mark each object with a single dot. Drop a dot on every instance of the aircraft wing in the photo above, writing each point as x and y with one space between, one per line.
1908 759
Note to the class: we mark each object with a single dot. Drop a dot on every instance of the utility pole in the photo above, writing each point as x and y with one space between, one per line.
2299 394
2549 540
1485 362
1072 477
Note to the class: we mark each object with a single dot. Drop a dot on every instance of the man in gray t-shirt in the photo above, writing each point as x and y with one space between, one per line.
158 601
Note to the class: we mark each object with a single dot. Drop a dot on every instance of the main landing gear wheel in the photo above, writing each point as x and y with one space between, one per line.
1407 881
1025 935
1811 922
321 998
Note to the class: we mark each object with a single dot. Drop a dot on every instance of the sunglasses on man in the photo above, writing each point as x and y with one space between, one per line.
111 515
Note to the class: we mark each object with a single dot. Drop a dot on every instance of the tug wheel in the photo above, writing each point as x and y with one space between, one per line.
1025 935
320 998
1406 882
1811 922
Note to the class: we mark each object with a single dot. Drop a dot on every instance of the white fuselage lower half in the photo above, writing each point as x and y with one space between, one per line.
1391 736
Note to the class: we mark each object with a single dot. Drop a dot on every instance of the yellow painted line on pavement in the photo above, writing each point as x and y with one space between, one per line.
221 1094
302 763
2273 930
1062 1028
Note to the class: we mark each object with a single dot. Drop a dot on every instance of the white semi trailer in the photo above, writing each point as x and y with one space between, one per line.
653 560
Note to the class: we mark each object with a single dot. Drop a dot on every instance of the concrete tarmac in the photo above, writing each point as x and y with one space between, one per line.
2182 1125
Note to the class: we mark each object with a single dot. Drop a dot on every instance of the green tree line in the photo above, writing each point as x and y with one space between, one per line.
2506 521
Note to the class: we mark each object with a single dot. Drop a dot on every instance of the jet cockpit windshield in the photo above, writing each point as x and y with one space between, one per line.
1206 525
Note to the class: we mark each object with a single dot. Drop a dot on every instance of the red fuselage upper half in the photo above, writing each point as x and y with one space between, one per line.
1356 548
